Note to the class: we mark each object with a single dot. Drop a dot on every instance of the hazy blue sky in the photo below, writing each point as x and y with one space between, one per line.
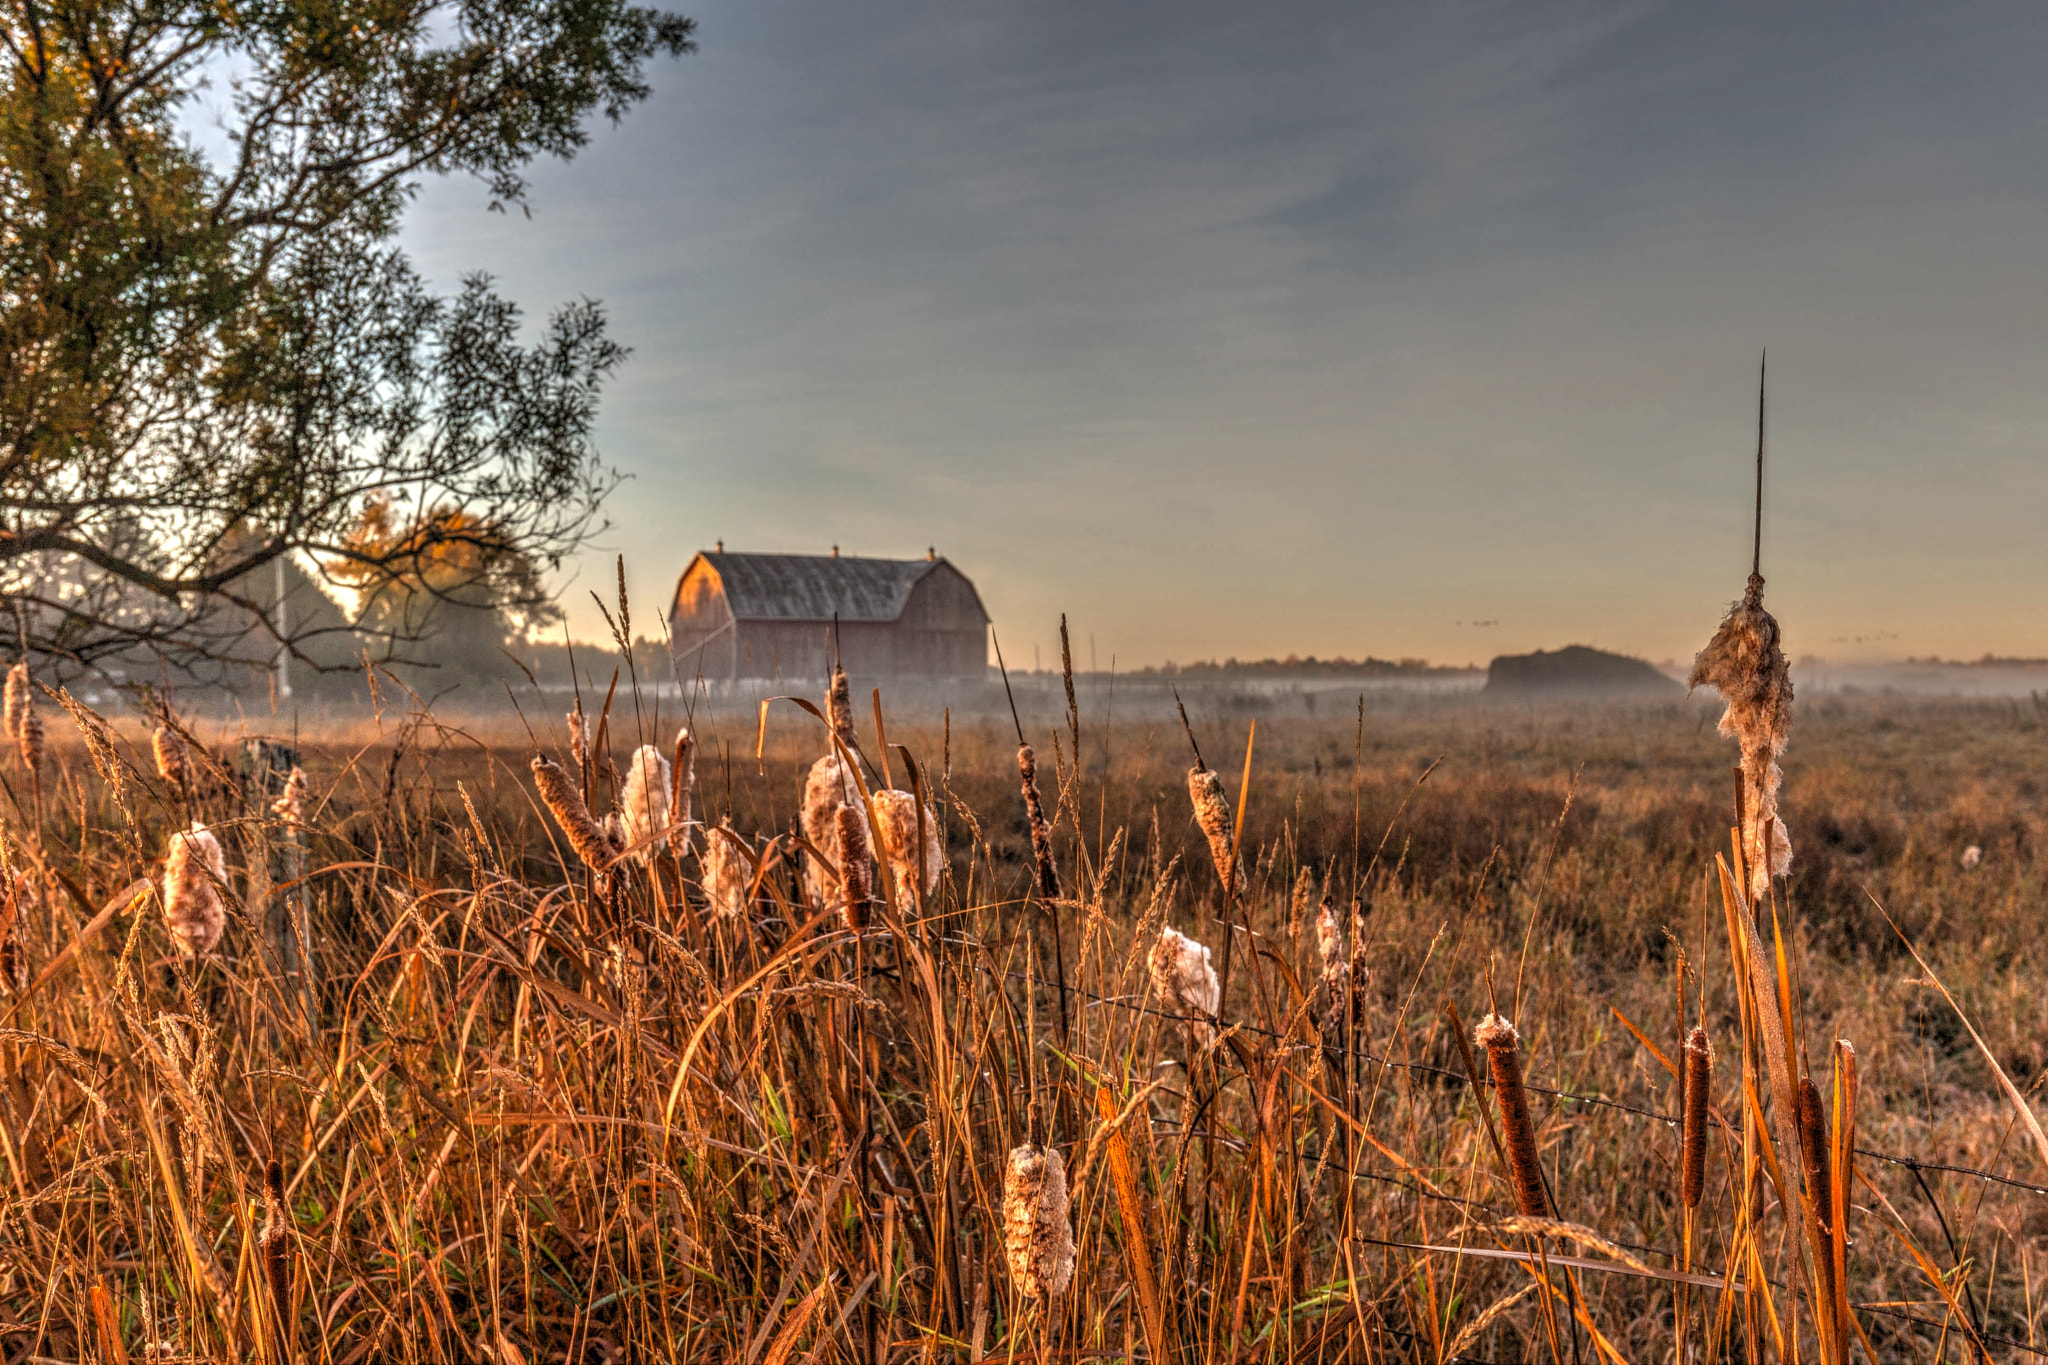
1331 329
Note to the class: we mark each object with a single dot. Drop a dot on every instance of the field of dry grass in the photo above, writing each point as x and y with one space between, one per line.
521 1111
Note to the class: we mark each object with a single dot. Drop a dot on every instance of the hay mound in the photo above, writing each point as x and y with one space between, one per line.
1576 671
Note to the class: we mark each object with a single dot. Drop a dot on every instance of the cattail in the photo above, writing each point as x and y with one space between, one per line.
173 758
725 874
1504 1050
1185 979
644 806
290 805
839 708
1041 832
16 697
1329 937
683 773
855 885
896 816
565 803
276 1247
1813 1148
1972 856
1038 1239
195 869
828 787
13 962
1699 1072
30 739
1746 665
1212 813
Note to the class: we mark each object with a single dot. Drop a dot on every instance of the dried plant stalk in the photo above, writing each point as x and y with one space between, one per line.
643 807
1504 1051
1212 813
13 905
683 773
1038 1238
565 803
896 817
195 869
1699 1071
1745 663
1131 1208
855 886
1183 975
1041 832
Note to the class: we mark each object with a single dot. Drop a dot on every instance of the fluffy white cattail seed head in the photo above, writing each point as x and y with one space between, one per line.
1212 813
896 815
643 807
829 786
683 780
1746 665
173 757
725 873
1330 937
194 871
1038 1238
1972 856
1185 979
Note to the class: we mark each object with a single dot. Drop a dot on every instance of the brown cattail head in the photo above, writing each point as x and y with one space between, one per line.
1746 665
173 758
1041 831
560 795
1699 1074
643 806
1813 1149
30 739
839 708
896 817
195 869
1504 1051
855 882
1184 977
1212 813
14 903
17 698
828 786
275 1243
1038 1238
725 875
683 773
290 805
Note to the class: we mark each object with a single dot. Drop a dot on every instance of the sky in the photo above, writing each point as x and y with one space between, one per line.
1328 329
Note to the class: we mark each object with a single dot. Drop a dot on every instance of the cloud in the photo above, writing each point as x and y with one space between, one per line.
1319 327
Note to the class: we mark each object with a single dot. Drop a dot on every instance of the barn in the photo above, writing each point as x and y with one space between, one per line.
774 616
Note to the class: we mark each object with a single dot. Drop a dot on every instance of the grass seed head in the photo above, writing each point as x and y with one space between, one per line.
195 869
17 697
31 739
1041 829
1038 1236
290 805
1746 664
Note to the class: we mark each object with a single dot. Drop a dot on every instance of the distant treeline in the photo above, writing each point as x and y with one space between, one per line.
1988 661
1304 666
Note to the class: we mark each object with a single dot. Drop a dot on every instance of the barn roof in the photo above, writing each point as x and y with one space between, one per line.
815 587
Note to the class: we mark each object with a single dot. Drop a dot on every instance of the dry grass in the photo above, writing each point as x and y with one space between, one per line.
522 1110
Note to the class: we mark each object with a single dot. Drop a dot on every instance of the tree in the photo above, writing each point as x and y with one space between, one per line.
208 364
